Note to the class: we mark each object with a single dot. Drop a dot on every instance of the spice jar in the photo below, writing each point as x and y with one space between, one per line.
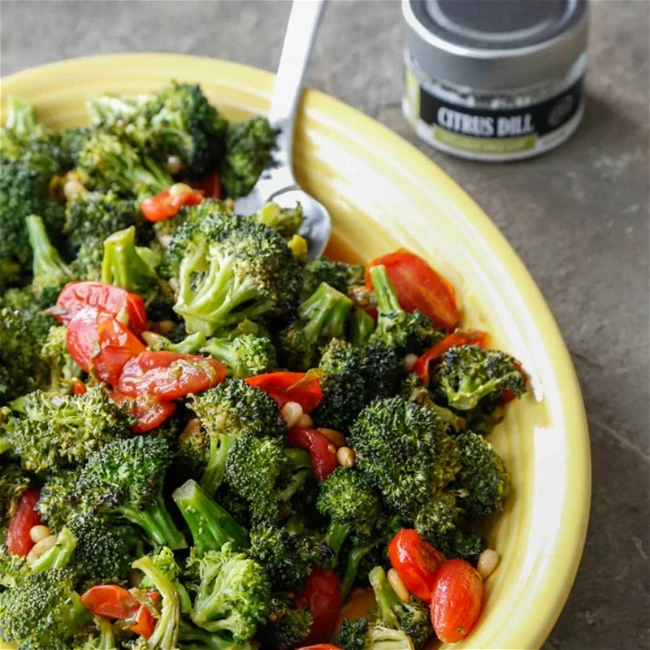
495 80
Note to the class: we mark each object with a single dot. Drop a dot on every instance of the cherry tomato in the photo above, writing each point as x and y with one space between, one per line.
25 518
76 296
415 561
321 646
145 623
319 446
165 205
301 387
456 600
322 593
418 286
210 186
148 410
79 388
116 345
111 601
457 338
82 337
169 375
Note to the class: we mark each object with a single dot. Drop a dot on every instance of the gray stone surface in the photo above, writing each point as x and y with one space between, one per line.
577 216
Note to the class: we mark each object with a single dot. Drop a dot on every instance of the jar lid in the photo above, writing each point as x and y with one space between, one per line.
495 44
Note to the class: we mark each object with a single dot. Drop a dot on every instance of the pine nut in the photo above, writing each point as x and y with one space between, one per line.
345 456
305 422
193 426
398 586
72 189
37 533
487 562
165 326
334 436
409 361
178 189
291 412
165 240
149 337
173 165
40 548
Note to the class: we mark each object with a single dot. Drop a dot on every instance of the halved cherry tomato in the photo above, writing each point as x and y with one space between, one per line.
76 296
82 336
320 448
321 646
456 600
418 286
165 205
210 186
79 388
145 623
116 346
322 593
111 601
415 561
149 411
169 375
301 387
25 518
457 338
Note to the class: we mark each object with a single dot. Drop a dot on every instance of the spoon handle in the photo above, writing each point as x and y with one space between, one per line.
298 41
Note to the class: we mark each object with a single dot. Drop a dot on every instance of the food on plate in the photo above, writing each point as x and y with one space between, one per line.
207 441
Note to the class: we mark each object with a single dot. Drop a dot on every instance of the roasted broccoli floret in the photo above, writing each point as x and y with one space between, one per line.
211 526
192 637
230 268
483 481
176 124
342 276
321 317
227 412
438 516
404 331
106 162
286 221
364 635
57 368
461 544
397 445
42 612
51 274
13 482
469 377
261 471
287 555
412 617
125 478
382 370
165 634
343 385
233 595
165 561
245 355
54 430
248 152
58 502
287 625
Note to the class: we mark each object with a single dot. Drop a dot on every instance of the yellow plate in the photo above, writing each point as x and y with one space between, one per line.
383 194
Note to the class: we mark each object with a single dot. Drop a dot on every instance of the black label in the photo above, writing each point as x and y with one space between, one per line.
535 119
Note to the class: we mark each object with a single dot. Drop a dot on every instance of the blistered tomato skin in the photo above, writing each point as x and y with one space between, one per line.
456 600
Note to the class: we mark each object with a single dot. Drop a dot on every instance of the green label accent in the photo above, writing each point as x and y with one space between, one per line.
484 145
413 95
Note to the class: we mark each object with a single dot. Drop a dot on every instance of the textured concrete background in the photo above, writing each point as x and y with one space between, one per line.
577 216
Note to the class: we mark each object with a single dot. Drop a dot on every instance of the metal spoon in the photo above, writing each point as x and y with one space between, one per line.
277 182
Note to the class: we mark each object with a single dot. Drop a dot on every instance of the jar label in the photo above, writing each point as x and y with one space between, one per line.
492 133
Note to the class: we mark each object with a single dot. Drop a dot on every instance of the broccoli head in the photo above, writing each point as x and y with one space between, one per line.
244 355
230 268
397 446
287 625
286 221
438 516
57 368
461 544
342 276
382 370
13 482
365 635
55 430
321 317
248 152
233 595
483 480
469 377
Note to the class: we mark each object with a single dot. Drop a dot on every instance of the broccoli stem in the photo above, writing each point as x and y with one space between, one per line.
336 535
5 445
387 600
212 478
300 460
106 634
58 556
384 290
361 327
189 345
21 119
47 262
157 524
470 392
325 312
222 349
211 526
122 265
165 634
356 554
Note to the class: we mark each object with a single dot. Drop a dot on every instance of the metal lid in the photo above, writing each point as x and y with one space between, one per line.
495 44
